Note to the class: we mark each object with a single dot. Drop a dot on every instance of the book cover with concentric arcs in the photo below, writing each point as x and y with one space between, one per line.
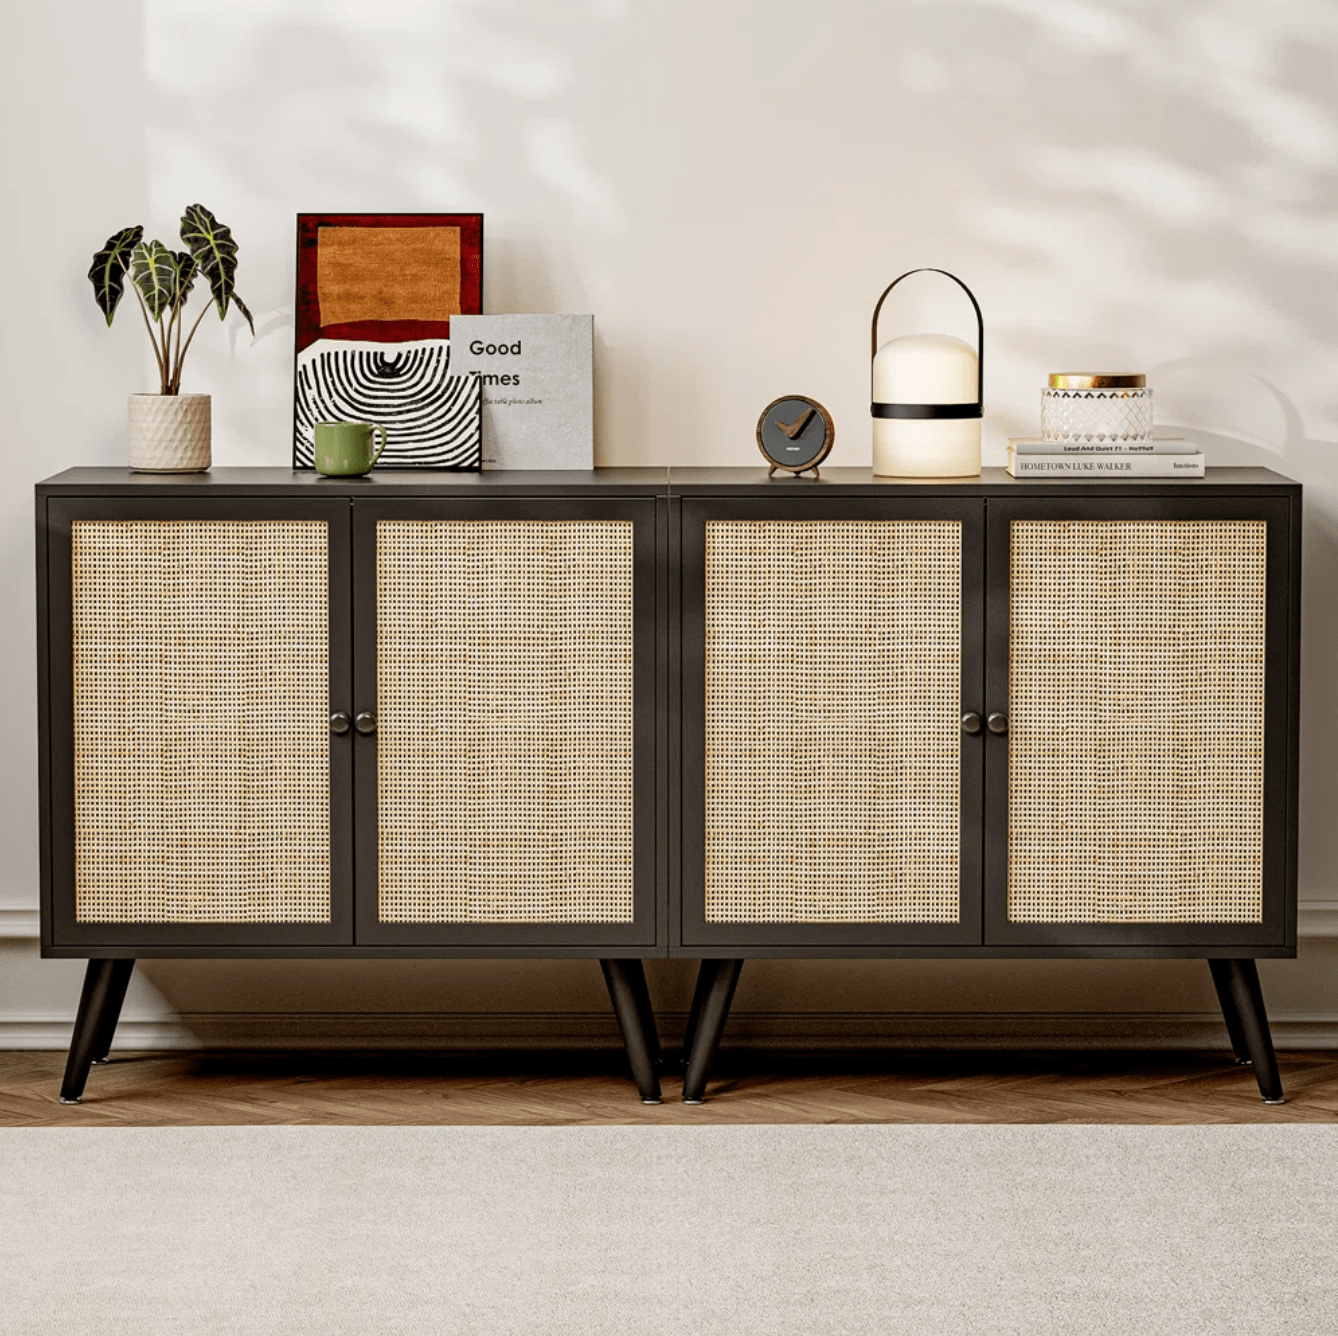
375 297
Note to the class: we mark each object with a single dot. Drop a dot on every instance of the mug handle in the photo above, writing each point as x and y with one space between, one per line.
377 455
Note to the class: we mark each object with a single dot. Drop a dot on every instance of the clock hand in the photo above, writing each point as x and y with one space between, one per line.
794 428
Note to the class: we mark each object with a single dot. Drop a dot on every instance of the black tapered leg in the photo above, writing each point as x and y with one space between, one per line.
111 1010
105 982
626 981
636 979
1238 986
1221 981
699 992
715 984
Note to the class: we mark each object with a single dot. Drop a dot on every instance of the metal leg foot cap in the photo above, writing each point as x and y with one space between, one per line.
101 1062
63 1100
1279 1100
1244 1062
693 1101
652 1101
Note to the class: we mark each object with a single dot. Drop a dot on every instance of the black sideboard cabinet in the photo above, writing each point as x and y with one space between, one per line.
697 713
413 714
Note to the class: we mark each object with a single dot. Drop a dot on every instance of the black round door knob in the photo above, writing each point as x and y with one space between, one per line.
972 723
365 722
340 723
997 723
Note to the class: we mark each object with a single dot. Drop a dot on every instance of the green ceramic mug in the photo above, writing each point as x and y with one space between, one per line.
344 449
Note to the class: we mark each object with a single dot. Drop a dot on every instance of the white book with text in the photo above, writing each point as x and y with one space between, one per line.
1106 466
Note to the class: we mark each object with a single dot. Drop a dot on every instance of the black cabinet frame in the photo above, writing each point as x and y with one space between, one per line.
670 510
62 934
644 932
1245 494
259 494
1278 928
1230 949
696 933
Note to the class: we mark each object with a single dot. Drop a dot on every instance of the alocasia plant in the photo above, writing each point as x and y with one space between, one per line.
161 280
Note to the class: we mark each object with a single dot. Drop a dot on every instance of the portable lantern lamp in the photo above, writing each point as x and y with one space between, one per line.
928 399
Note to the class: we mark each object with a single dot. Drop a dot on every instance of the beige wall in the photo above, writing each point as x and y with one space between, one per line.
727 186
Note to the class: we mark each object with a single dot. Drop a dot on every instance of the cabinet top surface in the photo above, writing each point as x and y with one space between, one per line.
633 482
990 482
381 483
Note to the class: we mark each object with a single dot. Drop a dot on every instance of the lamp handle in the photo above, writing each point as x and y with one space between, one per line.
980 329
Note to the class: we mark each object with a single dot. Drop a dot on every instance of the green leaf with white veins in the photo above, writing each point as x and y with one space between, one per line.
186 271
107 272
154 269
215 255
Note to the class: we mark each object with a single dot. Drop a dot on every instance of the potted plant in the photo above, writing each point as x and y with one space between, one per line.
169 431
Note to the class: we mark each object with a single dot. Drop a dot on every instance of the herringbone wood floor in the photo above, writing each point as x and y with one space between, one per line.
159 1089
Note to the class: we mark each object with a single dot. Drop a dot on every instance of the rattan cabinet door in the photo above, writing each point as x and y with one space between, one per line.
831 800
1141 650
197 797
507 798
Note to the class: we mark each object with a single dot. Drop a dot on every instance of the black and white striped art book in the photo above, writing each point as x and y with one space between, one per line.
432 418
376 293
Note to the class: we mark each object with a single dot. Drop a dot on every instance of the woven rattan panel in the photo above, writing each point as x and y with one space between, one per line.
201 722
1136 724
504 733
833 704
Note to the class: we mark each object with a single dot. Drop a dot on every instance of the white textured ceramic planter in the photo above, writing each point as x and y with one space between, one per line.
169 433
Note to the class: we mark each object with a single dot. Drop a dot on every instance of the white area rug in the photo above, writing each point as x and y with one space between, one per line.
814 1230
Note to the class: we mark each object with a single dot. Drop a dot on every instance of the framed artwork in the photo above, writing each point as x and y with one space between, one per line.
375 297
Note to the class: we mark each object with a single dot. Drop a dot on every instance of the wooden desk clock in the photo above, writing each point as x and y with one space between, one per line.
795 433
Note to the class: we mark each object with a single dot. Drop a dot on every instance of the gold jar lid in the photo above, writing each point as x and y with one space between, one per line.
1097 380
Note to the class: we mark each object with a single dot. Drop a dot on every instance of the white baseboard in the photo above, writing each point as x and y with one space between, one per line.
51 1032
1318 918
18 922
865 1031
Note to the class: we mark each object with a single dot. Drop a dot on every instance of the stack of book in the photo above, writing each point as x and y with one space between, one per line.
1165 457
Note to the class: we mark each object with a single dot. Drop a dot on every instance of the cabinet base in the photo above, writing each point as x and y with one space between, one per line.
1236 980
106 981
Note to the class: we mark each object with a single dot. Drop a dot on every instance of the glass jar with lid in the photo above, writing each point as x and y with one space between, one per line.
1096 406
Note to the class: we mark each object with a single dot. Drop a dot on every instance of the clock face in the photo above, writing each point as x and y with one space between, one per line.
795 432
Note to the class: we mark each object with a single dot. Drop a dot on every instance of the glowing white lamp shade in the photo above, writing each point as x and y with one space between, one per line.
927 392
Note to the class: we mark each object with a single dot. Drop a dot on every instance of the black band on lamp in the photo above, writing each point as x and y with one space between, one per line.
927 410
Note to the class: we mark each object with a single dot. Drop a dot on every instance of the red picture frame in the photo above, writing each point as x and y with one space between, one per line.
308 322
